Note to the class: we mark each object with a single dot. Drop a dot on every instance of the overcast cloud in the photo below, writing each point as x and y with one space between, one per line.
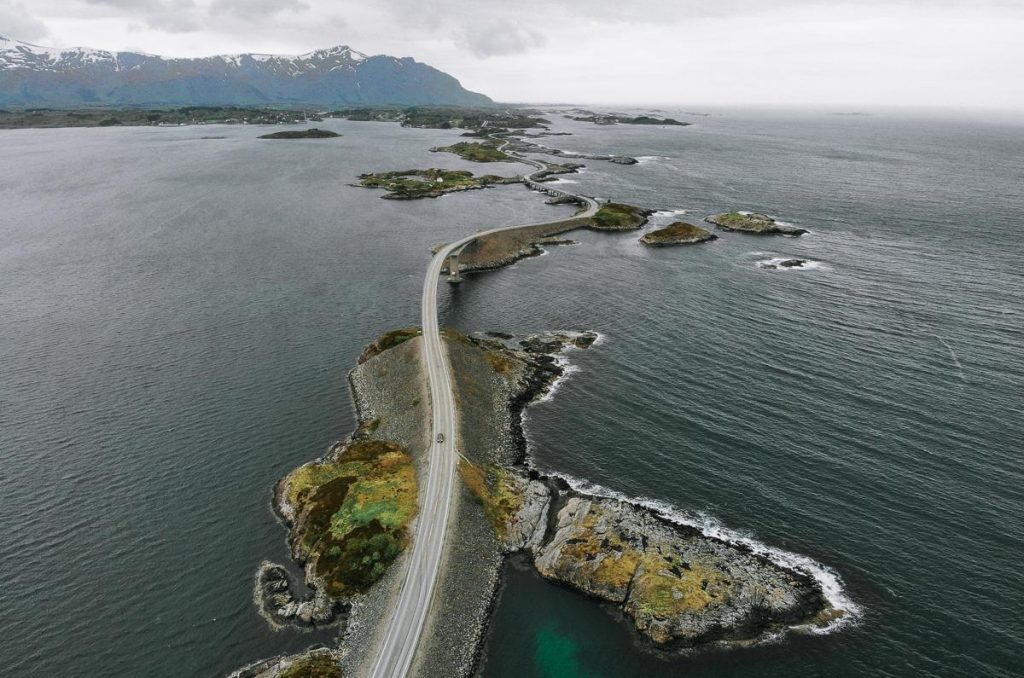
858 53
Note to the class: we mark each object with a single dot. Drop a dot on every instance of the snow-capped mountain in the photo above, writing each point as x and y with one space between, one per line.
31 75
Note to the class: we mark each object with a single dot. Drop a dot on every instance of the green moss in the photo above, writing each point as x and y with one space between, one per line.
477 152
613 216
352 512
318 665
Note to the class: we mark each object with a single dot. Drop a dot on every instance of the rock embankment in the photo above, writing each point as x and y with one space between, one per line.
678 233
752 222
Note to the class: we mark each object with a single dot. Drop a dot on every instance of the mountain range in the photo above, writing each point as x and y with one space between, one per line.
34 76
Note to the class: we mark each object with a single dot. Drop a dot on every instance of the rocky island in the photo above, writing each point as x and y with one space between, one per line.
678 233
476 152
312 133
429 183
599 119
752 222
614 216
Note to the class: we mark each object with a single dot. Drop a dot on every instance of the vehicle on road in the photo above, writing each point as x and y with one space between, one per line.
440 437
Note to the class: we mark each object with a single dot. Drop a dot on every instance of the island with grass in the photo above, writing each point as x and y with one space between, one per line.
429 183
312 133
678 233
599 119
616 216
752 222
476 152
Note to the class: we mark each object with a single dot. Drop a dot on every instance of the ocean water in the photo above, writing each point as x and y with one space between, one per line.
178 314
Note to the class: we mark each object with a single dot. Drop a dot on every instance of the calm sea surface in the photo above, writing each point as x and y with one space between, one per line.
178 314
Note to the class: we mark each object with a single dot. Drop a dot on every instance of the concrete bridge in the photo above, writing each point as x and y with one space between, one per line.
452 261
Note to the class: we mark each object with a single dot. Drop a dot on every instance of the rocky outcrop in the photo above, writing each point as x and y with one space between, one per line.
279 604
679 586
786 263
751 222
678 233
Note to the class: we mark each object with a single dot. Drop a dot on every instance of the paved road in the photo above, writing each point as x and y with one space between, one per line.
402 636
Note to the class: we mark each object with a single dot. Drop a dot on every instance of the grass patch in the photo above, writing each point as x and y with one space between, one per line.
352 513
389 340
319 665
499 362
667 589
497 489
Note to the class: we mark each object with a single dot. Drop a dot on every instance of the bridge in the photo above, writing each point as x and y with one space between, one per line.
398 645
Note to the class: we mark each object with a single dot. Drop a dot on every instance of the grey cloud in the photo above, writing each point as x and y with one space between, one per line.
16 23
499 38
172 16
255 10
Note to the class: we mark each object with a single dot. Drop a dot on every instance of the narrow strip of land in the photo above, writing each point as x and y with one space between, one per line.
401 638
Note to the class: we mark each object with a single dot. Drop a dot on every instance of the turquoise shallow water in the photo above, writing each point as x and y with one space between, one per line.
178 316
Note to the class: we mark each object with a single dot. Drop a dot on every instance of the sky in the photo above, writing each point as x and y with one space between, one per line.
850 54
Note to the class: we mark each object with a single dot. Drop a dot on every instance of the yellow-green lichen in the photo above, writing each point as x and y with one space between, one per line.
499 491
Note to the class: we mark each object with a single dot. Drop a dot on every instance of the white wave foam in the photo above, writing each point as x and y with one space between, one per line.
829 580
669 213
568 369
808 265
644 159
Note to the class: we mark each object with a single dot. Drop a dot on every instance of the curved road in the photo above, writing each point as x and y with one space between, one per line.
398 645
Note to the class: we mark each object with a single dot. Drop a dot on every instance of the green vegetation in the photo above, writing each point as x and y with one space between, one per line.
679 232
613 216
314 665
312 133
352 513
188 115
497 489
427 183
477 152
389 340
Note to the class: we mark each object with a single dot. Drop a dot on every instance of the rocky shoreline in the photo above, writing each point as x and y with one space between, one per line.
681 588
